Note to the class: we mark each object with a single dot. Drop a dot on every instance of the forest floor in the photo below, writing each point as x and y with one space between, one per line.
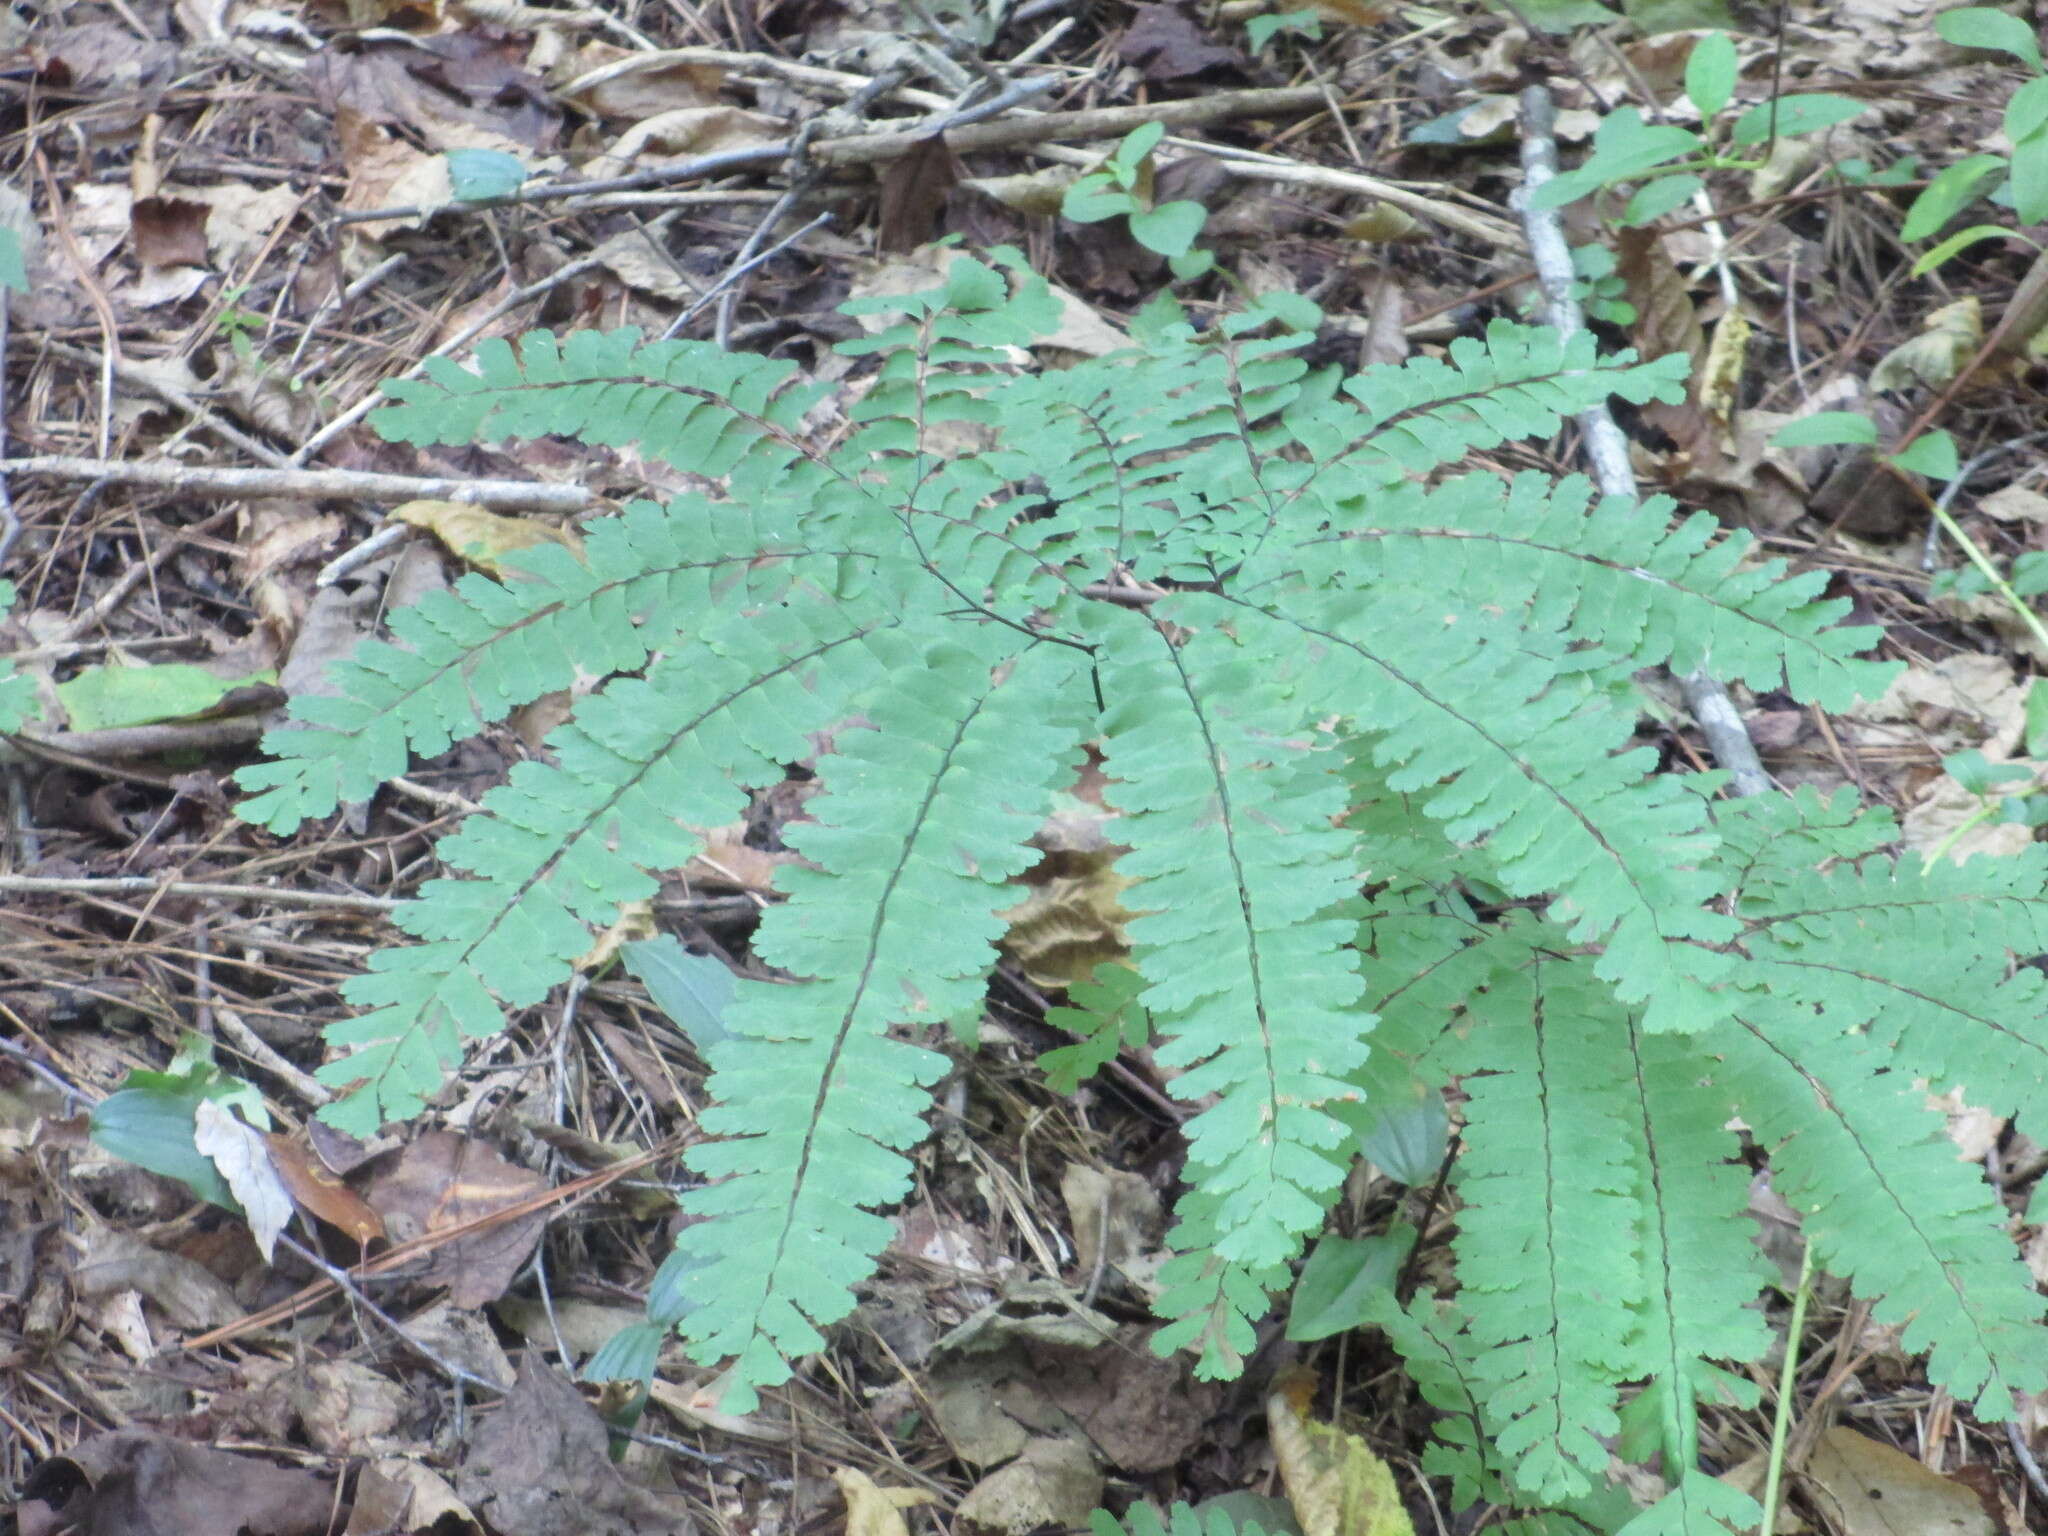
190 183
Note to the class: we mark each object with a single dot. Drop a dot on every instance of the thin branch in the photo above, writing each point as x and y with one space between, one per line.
1605 445
343 484
144 885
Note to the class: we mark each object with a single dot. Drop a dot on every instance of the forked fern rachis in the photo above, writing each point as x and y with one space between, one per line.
1354 705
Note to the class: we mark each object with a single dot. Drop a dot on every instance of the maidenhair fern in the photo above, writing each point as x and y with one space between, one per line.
1368 729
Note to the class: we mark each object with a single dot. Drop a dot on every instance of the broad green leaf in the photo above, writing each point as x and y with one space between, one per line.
1710 73
1170 228
1960 240
476 175
1982 26
151 1120
13 269
693 990
1341 1281
1407 1138
1933 455
1095 198
112 694
2037 722
1824 427
1654 16
1659 197
2026 116
1262 29
1137 144
1951 191
1795 115
2030 176
628 1355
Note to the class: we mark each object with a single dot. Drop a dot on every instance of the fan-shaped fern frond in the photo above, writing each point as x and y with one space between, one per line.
1369 732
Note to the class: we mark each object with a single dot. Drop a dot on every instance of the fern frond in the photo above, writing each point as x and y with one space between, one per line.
1699 1506
1611 572
641 767
926 816
1921 959
463 659
1535 779
1888 1206
1181 1520
1771 841
1517 382
1701 1267
1228 804
689 403
1430 1337
1547 1239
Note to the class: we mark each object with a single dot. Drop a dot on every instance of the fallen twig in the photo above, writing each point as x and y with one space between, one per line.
146 885
1052 127
345 484
1606 447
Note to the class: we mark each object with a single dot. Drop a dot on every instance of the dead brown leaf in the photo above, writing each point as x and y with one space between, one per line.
1868 1489
129 1481
442 1181
539 1466
1164 43
1055 1482
397 1494
318 1189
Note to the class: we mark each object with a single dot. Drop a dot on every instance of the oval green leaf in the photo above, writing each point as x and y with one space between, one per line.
1824 427
1710 72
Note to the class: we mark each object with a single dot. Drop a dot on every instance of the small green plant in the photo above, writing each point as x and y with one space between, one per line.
2018 181
1261 30
1993 784
1667 162
1600 287
1122 187
1367 722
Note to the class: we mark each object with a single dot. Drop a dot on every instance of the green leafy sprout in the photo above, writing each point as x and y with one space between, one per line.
1122 187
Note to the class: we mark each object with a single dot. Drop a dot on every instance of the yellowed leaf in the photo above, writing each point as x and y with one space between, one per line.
635 921
1720 382
1948 338
1072 919
872 1510
1337 1486
482 538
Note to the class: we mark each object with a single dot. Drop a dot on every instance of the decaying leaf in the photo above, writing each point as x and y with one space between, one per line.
1337 1486
1868 1489
872 1510
242 1155
482 538
1949 338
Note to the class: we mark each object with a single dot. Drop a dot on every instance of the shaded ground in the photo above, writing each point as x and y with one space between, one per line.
204 293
